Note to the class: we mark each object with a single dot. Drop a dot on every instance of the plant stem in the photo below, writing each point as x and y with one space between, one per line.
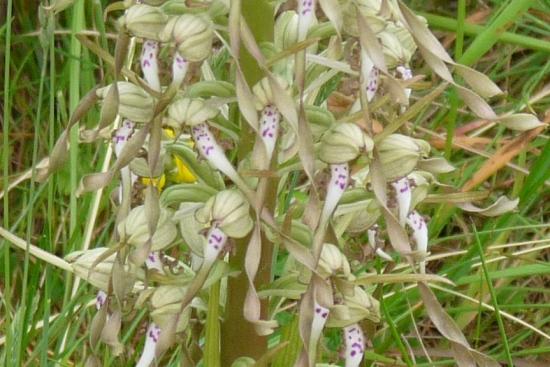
5 172
238 335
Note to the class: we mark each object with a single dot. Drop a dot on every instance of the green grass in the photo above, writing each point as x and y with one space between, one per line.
44 311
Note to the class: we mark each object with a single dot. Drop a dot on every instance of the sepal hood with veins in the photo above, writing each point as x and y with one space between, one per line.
399 154
263 93
228 211
191 111
332 262
144 21
357 306
134 229
192 35
344 143
135 103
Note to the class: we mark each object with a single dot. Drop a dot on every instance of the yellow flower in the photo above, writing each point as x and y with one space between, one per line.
157 182
183 173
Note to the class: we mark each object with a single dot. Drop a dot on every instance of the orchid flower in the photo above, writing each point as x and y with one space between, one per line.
149 64
216 240
372 234
151 340
420 234
212 152
354 341
403 194
336 187
121 137
370 76
100 299
180 65
306 14
153 261
269 128
406 74
320 317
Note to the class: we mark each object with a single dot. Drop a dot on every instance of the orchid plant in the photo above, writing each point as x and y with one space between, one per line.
290 174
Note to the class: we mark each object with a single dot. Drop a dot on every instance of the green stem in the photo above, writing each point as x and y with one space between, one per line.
6 171
238 335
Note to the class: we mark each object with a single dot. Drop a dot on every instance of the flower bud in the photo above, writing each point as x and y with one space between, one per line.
229 211
344 143
192 34
286 30
134 103
399 154
191 111
134 229
333 261
144 21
